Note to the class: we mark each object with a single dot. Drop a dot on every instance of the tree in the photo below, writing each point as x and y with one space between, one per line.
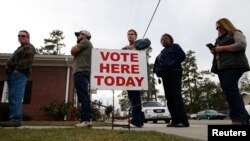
199 92
124 101
189 79
245 82
53 45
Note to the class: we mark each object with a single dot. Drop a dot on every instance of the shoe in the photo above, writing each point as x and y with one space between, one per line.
84 124
133 126
10 123
171 125
181 125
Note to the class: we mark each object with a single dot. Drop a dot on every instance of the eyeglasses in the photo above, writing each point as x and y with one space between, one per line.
23 36
218 27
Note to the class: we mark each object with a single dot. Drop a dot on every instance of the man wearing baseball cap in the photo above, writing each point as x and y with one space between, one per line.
81 70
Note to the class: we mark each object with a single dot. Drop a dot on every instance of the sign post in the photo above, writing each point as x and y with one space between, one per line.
118 70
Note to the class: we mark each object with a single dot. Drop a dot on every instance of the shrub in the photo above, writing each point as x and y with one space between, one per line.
56 110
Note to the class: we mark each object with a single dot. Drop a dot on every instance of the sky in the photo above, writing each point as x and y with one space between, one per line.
190 22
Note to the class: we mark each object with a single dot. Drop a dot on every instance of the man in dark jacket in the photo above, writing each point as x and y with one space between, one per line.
18 71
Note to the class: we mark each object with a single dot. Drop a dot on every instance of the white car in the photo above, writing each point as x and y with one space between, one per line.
154 111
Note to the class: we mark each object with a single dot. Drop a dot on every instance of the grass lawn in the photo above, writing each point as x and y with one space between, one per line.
80 134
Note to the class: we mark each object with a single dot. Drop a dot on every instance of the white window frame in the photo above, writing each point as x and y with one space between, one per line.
5 93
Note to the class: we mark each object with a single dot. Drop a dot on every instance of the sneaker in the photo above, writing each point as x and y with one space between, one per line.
84 124
135 126
10 123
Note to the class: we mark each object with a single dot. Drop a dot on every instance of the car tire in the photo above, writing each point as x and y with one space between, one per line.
208 117
154 121
145 121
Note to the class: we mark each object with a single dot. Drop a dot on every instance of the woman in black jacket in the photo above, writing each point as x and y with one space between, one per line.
168 67
229 63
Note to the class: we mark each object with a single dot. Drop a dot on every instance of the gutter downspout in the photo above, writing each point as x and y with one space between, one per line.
67 84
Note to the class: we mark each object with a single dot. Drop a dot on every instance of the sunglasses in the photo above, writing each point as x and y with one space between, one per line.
218 27
23 36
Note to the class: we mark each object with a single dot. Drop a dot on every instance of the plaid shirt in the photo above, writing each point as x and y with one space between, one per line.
21 60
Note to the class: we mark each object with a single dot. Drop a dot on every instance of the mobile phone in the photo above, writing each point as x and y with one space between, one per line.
210 46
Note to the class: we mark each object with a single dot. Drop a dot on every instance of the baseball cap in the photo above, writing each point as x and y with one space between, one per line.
83 32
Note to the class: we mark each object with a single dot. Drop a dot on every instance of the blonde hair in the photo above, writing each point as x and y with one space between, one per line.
227 25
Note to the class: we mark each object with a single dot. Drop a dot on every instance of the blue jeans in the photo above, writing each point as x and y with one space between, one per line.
229 82
16 84
81 82
135 99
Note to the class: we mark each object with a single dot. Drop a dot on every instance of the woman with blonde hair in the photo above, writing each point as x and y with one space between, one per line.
229 63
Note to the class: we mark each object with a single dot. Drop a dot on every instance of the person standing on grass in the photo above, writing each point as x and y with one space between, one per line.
81 70
229 63
18 69
168 67
135 95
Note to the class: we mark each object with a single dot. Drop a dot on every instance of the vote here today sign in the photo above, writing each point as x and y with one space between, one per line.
118 70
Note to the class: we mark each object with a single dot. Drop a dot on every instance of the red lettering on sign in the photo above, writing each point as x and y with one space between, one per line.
115 68
125 56
119 81
104 68
99 79
116 56
109 80
135 69
125 68
134 57
104 56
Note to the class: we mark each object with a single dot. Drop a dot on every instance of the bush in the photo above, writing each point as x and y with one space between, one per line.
56 110
95 113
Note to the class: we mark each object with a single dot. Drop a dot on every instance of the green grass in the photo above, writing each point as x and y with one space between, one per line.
80 134
61 123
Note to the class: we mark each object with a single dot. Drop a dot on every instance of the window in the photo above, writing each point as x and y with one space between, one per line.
4 92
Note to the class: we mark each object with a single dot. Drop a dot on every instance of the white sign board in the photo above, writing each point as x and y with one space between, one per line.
118 70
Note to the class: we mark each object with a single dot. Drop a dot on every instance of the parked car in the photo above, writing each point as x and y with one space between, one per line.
154 111
193 116
210 114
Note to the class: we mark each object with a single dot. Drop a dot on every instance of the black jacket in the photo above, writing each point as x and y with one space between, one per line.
169 60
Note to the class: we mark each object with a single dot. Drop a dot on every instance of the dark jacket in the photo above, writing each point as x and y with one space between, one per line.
227 60
21 60
169 60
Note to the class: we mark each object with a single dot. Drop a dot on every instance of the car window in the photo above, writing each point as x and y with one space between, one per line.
152 104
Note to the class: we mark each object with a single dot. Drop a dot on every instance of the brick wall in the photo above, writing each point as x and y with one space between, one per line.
49 85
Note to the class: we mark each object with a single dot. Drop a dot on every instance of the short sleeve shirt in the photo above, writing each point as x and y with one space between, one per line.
82 61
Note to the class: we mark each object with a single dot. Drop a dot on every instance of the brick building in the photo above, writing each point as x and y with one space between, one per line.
51 80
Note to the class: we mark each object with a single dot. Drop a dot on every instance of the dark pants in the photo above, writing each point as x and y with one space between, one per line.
135 99
81 82
172 88
229 82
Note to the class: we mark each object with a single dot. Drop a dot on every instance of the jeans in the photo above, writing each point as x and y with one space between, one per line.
135 99
16 84
172 88
81 82
229 82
